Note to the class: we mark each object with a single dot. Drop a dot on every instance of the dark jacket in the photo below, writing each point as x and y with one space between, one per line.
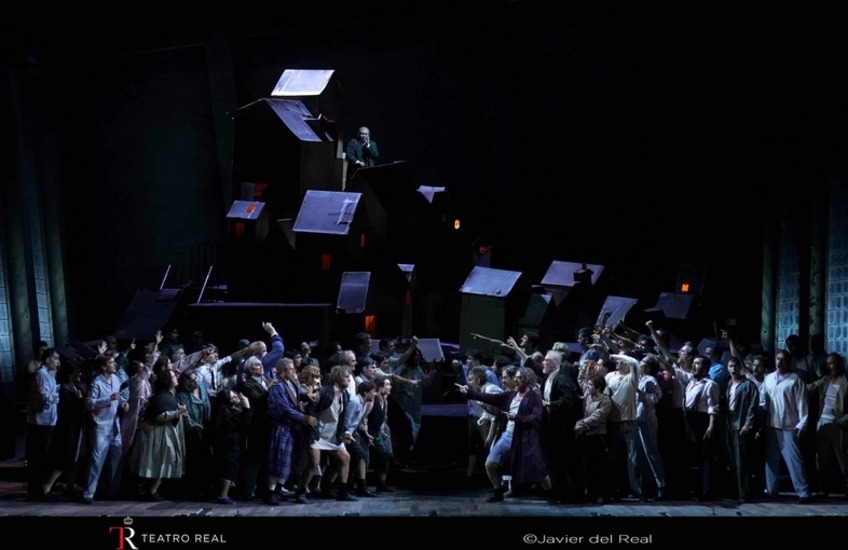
527 460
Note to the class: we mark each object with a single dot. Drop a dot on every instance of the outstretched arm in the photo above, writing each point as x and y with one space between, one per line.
660 343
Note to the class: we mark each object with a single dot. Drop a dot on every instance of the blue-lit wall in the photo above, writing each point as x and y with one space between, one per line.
6 368
795 271
40 281
837 270
788 283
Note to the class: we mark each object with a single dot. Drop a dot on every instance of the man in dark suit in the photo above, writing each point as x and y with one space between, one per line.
562 409
255 388
361 151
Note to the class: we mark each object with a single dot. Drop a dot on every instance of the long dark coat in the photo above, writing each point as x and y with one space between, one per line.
526 458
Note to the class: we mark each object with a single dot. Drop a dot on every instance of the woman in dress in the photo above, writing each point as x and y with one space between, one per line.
408 396
308 464
159 452
195 397
330 434
379 453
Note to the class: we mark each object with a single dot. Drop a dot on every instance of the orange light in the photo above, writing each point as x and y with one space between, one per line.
684 287
456 224
239 229
362 240
251 208
370 325
407 300
483 250
325 262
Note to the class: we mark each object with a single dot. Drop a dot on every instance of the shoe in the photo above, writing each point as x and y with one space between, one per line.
86 500
271 498
283 492
155 497
344 496
805 500
497 496
384 489
660 494
301 499
364 492
225 500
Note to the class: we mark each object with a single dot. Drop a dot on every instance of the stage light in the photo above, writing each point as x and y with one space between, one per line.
456 224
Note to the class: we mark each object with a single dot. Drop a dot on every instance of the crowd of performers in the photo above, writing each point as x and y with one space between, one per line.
625 417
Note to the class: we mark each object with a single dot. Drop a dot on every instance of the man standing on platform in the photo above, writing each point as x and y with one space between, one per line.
361 151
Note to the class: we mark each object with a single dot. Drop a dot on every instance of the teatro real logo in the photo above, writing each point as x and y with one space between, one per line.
125 535
128 537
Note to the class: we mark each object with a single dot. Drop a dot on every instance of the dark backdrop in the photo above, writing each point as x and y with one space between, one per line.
605 132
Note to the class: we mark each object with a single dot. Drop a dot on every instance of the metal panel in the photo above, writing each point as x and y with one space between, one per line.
328 212
302 82
246 210
293 114
148 312
536 309
486 281
673 305
407 270
614 309
562 273
353 291
431 349
429 192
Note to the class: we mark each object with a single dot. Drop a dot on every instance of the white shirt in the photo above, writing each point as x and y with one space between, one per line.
784 398
622 388
701 395
549 383
830 409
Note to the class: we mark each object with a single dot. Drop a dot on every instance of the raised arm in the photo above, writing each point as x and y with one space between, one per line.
608 343
413 345
628 333
631 362
513 345
660 342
